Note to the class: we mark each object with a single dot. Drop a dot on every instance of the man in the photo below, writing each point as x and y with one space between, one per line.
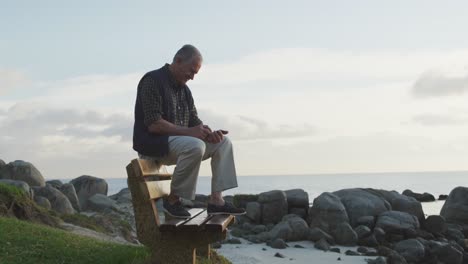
167 128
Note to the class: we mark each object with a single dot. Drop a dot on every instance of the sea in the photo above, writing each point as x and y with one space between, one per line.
435 183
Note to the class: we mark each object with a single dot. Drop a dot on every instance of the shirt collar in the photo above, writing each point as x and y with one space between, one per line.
171 79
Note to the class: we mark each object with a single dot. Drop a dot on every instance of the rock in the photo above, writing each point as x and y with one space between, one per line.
87 186
454 234
455 209
101 203
422 197
361 202
259 229
2 163
274 206
22 171
69 190
379 234
232 241
291 228
395 258
435 224
401 202
278 244
379 260
254 211
443 197
344 235
315 234
368 241
55 183
327 212
336 250
59 202
301 212
297 198
298 246
279 255
43 202
397 222
123 196
448 254
322 244
367 220
412 250
362 231
352 253
21 185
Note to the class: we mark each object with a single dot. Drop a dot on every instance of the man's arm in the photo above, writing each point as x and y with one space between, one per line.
163 127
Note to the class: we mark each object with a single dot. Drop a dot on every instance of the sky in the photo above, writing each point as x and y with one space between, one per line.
304 87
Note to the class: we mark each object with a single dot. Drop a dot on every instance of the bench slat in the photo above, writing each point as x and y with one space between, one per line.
172 224
219 222
195 223
152 168
157 189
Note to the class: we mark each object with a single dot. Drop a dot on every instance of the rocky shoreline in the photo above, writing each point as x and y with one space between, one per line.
386 226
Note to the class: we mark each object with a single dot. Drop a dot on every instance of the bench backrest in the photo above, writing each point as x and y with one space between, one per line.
148 181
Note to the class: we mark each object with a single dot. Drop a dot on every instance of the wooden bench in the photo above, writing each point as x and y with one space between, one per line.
170 240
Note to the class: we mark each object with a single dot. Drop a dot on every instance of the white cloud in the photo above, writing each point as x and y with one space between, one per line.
439 120
11 79
435 84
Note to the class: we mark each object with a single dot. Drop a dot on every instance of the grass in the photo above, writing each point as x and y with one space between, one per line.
25 242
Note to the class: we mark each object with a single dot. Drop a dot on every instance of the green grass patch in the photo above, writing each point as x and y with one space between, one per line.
83 221
24 242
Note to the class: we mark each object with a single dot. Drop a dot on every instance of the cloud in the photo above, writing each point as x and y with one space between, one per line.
436 84
243 128
10 79
438 120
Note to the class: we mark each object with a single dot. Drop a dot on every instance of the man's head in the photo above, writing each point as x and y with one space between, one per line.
186 63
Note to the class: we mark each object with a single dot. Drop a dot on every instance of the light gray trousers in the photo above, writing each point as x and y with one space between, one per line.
187 153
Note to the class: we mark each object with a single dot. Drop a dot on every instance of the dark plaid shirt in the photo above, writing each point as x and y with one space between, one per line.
180 108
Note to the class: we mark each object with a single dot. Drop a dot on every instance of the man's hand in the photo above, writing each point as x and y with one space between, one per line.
216 136
201 131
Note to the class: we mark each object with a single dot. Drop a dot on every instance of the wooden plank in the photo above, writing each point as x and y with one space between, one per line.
195 223
157 189
219 223
172 224
152 168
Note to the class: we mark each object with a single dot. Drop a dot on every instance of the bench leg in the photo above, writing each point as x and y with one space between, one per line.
204 251
174 253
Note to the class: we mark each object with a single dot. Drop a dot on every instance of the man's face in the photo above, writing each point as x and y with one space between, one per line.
186 70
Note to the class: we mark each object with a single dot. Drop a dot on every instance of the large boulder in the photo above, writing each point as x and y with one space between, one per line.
69 190
55 183
274 206
297 198
123 196
2 163
397 222
101 203
22 171
291 228
344 234
360 202
422 197
87 186
57 199
412 250
455 209
42 201
254 211
21 185
327 212
401 202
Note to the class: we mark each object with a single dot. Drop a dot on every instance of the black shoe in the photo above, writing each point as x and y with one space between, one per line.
175 210
227 208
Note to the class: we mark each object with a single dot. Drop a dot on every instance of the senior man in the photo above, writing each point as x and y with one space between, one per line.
167 129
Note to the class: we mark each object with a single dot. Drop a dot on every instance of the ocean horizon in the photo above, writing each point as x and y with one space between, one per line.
435 182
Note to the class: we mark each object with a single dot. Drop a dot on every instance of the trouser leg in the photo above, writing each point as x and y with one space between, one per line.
222 165
187 153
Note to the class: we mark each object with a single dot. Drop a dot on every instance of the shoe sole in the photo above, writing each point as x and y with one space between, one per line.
176 216
222 213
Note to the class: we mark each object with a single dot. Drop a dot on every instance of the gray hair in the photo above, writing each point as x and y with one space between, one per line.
187 53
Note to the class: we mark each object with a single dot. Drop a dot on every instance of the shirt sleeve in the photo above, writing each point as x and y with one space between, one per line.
151 101
193 115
